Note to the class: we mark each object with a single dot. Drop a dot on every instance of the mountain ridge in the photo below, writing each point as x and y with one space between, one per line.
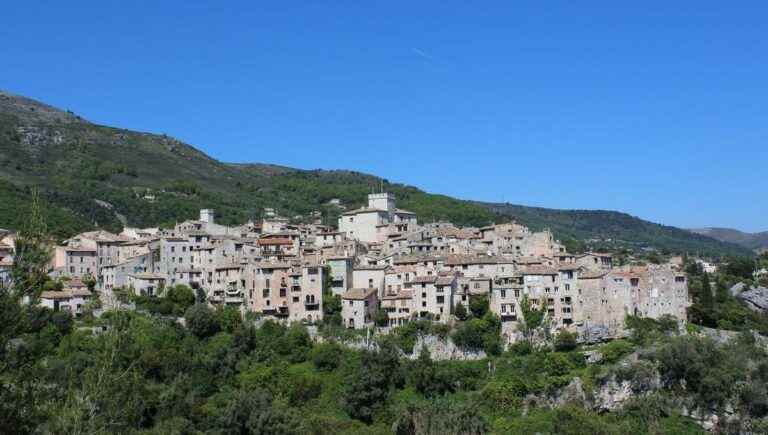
754 241
154 179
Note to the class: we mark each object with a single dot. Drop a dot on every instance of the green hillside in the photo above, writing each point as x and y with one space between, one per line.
95 175
612 230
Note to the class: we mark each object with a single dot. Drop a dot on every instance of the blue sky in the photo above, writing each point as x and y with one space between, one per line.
657 108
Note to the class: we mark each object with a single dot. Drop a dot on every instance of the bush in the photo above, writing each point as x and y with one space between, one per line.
615 350
565 341
201 321
326 356
478 305
460 312
229 319
505 394
182 296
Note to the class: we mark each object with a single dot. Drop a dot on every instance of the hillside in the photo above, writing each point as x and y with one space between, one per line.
93 175
611 230
754 241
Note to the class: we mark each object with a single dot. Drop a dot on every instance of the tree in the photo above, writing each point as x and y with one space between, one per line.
253 412
367 389
721 292
181 295
533 318
440 417
741 267
427 378
382 318
460 312
326 356
565 341
32 254
705 298
332 308
229 319
201 320
478 305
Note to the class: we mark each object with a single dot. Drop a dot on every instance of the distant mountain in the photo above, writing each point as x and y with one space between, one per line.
754 241
93 175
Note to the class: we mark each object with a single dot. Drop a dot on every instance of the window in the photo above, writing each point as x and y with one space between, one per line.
265 293
503 294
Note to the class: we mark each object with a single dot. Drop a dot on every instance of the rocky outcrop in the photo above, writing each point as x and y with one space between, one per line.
737 288
443 349
756 298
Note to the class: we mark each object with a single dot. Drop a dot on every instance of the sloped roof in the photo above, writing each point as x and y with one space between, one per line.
359 293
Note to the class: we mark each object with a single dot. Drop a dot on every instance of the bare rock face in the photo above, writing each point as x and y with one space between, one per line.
443 350
595 334
756 298
613 395
737 288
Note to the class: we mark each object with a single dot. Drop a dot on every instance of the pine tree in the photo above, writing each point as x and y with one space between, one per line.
706 293
32 254
721 292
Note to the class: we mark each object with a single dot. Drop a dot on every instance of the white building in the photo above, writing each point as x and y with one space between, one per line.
370 224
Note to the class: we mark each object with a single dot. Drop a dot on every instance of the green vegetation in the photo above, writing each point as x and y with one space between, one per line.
717 308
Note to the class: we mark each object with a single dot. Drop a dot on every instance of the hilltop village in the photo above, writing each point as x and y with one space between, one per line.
379 259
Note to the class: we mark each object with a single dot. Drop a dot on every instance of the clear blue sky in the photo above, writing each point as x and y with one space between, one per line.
659 109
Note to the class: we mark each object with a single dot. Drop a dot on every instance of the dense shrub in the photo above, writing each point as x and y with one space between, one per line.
201 320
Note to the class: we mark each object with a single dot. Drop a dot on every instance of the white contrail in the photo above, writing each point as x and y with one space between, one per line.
420 53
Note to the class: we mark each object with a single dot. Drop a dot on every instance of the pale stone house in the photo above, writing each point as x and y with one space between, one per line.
399 307
358 307
371 223
369 277
147 284
72 300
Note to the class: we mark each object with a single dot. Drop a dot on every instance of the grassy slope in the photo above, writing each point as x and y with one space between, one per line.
76 162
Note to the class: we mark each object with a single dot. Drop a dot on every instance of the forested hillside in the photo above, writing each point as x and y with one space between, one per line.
94 175
756 241
614 230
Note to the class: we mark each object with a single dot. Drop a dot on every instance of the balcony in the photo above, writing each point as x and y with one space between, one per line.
233 300
281 312
295 288
311 305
